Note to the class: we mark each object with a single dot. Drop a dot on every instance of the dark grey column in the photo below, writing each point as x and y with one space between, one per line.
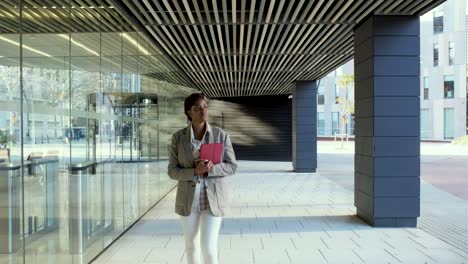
304 122
387 159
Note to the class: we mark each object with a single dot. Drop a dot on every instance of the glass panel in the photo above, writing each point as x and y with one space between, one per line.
11 205
449 125
46 101
438 22
86 201
110 131
130 125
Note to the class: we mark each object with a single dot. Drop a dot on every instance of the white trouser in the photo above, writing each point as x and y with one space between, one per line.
201 228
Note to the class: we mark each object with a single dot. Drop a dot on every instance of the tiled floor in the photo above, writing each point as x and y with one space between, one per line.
282 217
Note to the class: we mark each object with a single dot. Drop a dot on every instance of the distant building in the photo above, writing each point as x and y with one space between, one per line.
444 71
444 93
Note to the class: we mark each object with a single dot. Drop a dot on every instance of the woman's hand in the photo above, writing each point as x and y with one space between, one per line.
203 167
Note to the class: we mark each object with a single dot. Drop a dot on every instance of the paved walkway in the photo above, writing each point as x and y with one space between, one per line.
284 217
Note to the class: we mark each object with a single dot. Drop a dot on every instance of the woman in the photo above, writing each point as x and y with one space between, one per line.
201 198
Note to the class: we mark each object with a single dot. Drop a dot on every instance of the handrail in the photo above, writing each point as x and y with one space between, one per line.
39 161
87 164
9 166
81 166
104 161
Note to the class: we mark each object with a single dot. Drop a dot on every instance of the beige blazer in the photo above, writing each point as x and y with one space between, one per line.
181 164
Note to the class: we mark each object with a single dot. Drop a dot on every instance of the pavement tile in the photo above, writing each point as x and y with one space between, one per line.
375 256
277 243
339 256
237 256
284 218
271 256
224 242
308 243
246 243
130 254
176 242
283 235
410 256
445 256
374 243
431 243
164 255
301 256
403 243
341 243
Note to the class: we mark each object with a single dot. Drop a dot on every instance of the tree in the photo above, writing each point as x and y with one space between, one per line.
346 83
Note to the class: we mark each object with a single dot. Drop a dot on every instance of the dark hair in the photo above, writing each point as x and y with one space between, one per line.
190 101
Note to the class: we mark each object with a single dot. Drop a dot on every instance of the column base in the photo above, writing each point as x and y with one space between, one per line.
388 221
303 170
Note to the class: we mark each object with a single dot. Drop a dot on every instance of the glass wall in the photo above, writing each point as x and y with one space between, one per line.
84 130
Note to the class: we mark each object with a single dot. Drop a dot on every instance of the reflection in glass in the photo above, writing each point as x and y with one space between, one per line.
85 131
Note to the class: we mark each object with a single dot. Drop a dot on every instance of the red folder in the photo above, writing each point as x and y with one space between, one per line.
212 151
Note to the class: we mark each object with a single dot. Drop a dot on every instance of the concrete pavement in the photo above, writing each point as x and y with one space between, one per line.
284 217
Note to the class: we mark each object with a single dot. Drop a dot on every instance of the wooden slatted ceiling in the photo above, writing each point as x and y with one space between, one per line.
259 47
226 48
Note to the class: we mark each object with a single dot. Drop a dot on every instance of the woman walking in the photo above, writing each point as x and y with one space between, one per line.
202 196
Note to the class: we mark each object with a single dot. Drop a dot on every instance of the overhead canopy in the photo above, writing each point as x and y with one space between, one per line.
229 48
258 47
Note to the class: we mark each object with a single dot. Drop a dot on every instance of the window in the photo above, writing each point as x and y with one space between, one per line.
337 94
436 54
352 124
451 53
426 88
449 123
321 95
438 22
449 86
335 123
320 124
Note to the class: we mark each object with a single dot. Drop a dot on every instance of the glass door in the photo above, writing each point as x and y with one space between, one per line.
449 123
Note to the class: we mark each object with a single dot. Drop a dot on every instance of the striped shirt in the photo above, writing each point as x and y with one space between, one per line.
202 203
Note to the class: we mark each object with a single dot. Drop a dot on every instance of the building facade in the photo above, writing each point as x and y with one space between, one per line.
444 92
444 71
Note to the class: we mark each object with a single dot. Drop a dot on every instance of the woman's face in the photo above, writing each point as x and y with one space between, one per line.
199 111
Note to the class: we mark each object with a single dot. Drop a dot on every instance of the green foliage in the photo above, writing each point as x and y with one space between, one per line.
462 141
346 80
3 138
347 105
